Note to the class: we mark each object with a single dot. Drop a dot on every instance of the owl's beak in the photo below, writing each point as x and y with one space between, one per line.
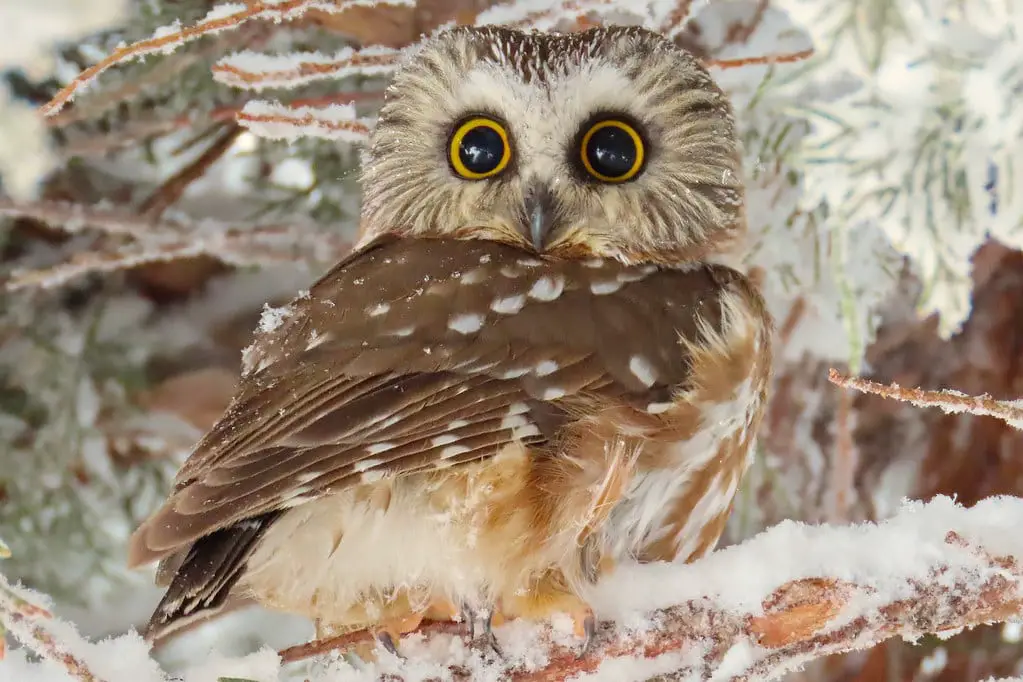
540 210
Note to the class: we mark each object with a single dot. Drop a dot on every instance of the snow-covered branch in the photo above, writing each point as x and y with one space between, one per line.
223 17
277 121
761 609
751 612
255 71
169 238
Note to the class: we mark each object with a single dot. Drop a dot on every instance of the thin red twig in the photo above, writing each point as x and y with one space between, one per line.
948 400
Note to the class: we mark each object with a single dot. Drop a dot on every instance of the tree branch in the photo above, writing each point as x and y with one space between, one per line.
216 20
754 612
749 613
255 71
166 239
952 402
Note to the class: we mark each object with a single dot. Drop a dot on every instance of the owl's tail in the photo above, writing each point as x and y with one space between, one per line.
200 580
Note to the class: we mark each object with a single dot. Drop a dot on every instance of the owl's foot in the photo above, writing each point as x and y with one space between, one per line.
486 639
547 597
402 618
387 618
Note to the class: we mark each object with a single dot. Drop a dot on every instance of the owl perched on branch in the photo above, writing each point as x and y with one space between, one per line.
529 369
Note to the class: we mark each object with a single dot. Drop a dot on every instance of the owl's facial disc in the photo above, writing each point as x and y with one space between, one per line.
612 142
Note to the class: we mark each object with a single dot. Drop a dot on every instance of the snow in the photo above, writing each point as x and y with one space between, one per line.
279 122
954 63
256 71
272 318
885 562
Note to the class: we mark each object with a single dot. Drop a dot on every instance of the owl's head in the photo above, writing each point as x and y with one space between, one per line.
613 142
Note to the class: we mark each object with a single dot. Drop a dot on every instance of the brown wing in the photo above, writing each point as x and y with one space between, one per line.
416 354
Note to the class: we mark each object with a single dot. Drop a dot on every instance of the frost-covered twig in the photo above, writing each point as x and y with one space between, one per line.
952 402
149 80
760 60
26 621
221 18
71 218
676 19
168 239
277 121
255 71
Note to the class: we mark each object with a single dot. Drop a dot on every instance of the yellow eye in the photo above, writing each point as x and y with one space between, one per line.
479 148
612 151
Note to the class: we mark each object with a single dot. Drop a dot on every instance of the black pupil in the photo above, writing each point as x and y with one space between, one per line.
481 149
611 152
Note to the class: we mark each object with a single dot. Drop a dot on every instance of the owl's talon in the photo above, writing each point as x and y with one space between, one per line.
489 639
386 640
468 617
589 632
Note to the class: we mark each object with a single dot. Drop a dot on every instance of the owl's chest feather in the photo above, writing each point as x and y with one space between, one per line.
675 511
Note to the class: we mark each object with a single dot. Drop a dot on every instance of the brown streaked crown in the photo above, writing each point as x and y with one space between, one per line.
686 203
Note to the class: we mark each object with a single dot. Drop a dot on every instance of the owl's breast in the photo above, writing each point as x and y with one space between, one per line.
681 494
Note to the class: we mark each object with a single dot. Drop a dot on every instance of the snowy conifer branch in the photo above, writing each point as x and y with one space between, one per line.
223 17
751 612
171 238
171 67
952 402
26 621
255 71
756 611
281 122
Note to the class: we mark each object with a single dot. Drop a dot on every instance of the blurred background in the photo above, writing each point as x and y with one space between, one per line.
144 227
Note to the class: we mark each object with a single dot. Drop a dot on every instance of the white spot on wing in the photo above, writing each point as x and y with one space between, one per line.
377 448
546 367
457 424
553 393
404 331
642 370
443 440
473 276
316 339
466 323
378 309
658 408
514 422
453 451
604 288
525 432
508 305
547 288
518 408
372 476
636 274
515 373
368 463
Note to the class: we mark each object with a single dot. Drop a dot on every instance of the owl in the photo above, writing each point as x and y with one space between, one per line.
532 367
